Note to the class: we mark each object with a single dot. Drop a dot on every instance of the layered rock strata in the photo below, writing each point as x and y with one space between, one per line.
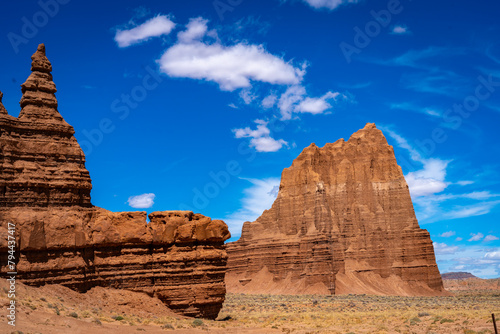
42 163
343 222
61 238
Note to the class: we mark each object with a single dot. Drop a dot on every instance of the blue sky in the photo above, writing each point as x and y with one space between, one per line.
201 104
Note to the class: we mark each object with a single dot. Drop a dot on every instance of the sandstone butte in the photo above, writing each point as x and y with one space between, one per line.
343 223
62 238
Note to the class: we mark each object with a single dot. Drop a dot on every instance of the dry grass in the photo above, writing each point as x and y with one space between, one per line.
462 313
467 312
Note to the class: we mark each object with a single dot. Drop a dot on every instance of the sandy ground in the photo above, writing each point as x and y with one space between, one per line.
58 310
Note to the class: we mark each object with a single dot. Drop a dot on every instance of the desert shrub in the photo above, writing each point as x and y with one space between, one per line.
423 314
167 326
73 314
197 322
97 321
446 320
117 317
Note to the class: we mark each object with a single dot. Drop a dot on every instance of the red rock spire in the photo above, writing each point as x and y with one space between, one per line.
3 111
39 101
343 222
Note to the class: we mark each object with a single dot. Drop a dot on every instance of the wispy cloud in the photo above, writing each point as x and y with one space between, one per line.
261 138
400 30
472 210
476 236
442 248
295 100
474 259
428 180
328 4
257 198
428 183
360 85
434 112
143 201
490 238
420 58
155 27
447 234
432 75
442 83
269 101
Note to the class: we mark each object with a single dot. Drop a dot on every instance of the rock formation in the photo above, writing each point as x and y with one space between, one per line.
42 164
343 222
61 238
457 275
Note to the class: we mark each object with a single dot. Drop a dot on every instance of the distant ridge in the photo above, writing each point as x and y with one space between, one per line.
458 275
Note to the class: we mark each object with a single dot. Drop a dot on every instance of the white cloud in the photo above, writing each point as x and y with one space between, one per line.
406 106
442 248
261 130
232 67
261 137
480 195
316 105
267 144
143 201
474 259
289 99
490 238
247 96
492 255
465 183
328 4
472 210
400 30
238 67
155 27
476 236
476 195
269 101
447 234
259 197
427 183
295 100
459 239
195 30
428 180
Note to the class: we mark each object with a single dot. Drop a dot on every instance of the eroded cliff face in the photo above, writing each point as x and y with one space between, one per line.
42 163
61 238
343 222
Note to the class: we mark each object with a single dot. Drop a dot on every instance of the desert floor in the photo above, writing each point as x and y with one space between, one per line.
55 309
